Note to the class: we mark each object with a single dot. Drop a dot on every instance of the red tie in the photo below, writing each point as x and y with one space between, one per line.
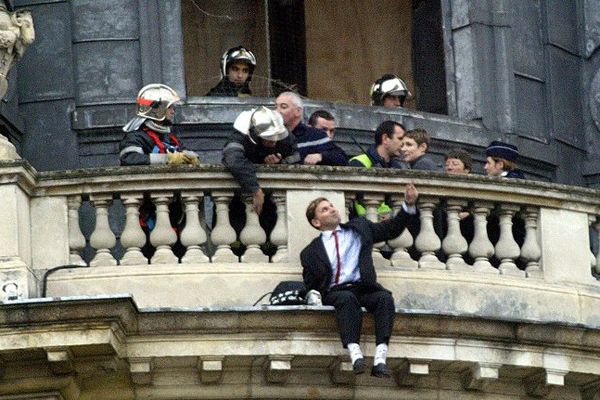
339 261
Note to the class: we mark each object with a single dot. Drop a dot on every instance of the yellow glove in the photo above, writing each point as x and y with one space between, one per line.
177 158
191 159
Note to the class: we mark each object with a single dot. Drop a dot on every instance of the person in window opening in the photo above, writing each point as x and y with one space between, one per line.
237 67
323 120
500 160
339 265
315 147
389 91
259 137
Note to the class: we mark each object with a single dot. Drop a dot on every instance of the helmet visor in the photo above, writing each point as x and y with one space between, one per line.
394 87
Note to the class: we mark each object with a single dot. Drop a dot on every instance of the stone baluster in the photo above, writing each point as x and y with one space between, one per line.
253 235
349 199
531 251
193 235
279 236
223 233
597 227
507 249
133 237
481 248
454 244
372 202
427 241
400 257
102 239
163 236
76 238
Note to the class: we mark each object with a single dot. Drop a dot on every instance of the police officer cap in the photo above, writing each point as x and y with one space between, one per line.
503 150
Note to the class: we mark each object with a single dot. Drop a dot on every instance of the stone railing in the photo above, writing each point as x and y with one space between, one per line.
91 218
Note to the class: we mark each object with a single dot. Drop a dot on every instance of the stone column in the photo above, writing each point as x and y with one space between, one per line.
163 236
372 202
454 244
279 236
223 233
76 238
400 257
531 249
427 241
102 239
481 249
133 237
507 249
193 236
597 227
253 235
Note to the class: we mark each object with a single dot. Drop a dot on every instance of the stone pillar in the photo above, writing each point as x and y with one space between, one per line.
507 249
454 244
193 236
531 249
481 249
279 236
133 237
400 257
372 202
163 236
76 238
427 241
223 233
253 235
102 239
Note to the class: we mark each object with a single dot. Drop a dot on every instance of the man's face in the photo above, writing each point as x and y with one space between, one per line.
411 150
390 101
326 125
289 111
326 217
455 166
238 72
493 167
169 115
268 143
393 144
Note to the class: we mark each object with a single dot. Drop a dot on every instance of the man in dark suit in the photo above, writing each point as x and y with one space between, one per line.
338 264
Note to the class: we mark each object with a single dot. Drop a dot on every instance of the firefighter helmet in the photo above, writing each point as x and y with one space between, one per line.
261 123
154 100
388 85
239 53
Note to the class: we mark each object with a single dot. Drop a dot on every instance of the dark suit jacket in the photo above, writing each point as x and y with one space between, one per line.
316 267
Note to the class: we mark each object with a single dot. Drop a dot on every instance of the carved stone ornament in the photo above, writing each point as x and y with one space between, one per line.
595 99
16 33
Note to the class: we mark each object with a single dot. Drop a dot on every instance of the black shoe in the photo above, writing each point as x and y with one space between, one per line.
358 367
380 371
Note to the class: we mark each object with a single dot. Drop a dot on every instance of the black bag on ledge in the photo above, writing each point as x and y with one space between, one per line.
288 293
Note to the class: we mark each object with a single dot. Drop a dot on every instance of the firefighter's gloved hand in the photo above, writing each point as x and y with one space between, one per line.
192 159
177 158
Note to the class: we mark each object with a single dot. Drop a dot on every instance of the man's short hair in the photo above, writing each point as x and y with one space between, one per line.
386 128
420 136
311 210
296 99
320 114
461 154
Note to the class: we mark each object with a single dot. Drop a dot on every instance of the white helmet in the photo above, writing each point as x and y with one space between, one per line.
391 85
153 101
261 123
239 53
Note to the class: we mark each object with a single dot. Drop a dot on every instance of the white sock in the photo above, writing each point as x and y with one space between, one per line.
380 354
354 350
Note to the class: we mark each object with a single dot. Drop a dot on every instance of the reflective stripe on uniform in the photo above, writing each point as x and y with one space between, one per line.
131 149
314 143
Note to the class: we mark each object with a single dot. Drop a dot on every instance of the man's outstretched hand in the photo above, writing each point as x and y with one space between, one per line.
410 194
